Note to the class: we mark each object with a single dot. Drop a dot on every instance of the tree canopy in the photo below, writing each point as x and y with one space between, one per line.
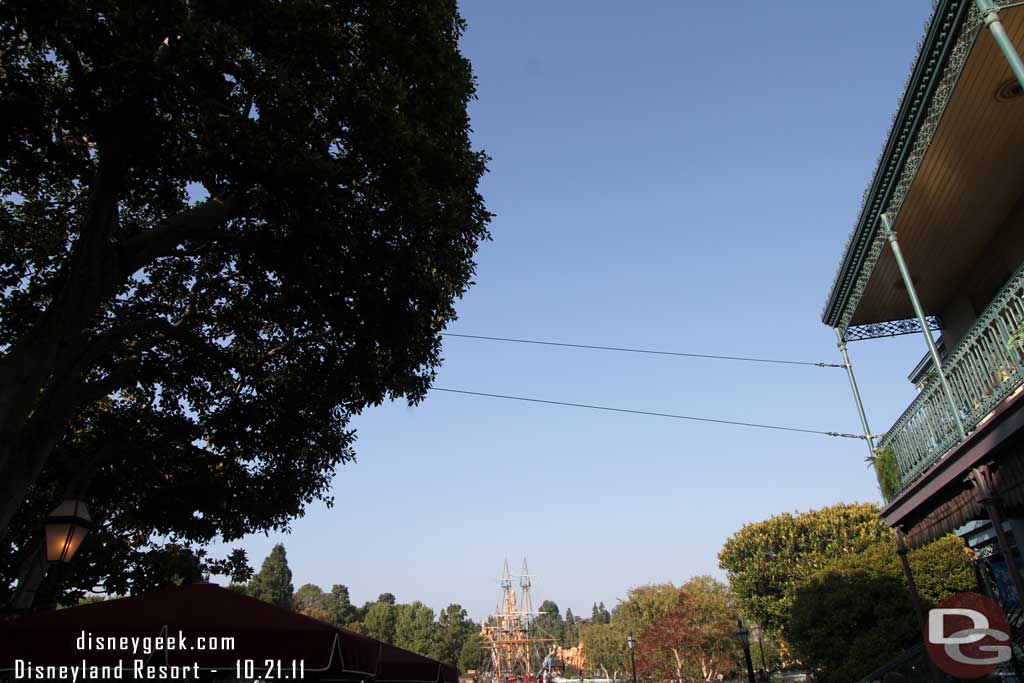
767 560
415 628
605 648
224 231
692 638
855 615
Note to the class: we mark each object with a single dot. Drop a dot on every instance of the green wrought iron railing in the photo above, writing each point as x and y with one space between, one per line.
982 372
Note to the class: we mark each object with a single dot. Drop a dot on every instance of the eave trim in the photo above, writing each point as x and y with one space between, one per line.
946 29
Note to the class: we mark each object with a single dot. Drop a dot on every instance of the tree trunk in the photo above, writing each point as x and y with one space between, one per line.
43 369
54 344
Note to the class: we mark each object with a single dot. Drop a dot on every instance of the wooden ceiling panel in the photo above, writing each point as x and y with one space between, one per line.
968 182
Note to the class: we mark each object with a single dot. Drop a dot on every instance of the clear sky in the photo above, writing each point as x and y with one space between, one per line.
667 175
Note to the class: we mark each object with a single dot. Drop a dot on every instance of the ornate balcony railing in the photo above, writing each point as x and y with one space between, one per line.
982 373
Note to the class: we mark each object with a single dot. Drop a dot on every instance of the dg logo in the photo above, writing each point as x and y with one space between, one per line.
968 636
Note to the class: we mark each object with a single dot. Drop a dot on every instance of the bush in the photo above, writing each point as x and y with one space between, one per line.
855 615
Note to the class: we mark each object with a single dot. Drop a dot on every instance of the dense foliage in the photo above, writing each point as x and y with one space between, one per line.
855 614
224 230
766 561
684 633
695 640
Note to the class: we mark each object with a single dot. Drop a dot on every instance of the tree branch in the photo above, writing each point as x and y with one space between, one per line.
118 378
200 222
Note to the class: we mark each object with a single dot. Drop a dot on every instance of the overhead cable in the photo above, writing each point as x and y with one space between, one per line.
746 359
650 413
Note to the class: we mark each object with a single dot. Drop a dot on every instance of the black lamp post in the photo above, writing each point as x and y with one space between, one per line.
743 634
66 527
631 643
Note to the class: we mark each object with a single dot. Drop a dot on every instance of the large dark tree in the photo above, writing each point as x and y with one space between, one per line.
225 228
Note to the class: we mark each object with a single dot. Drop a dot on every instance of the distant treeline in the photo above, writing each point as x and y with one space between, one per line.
449 637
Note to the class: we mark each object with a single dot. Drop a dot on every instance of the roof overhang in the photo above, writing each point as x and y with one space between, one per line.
954 158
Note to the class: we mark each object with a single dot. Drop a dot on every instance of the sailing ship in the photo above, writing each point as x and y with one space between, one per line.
516 653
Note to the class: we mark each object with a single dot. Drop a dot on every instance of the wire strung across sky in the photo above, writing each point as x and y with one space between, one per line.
647 351
649 413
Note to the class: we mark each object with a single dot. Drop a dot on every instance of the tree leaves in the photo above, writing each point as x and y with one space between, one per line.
767 560
238 227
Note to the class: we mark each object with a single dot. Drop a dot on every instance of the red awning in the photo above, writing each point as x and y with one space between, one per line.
154 627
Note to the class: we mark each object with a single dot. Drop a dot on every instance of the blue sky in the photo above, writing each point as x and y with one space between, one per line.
670 175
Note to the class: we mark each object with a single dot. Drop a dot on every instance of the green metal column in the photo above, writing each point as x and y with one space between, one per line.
990 15
856 392
890 235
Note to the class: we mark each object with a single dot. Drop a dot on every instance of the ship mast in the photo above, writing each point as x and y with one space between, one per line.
507 632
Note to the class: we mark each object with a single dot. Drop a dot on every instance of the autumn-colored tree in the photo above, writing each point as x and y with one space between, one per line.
309 596
695 641
644 605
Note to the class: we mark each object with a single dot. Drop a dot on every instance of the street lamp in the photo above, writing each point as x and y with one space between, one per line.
66 527
743 634
631 644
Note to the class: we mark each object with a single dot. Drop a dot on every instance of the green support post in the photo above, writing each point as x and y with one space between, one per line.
890 235
990 15
856 392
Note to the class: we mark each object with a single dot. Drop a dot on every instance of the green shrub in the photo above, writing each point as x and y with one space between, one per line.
887 471
855 615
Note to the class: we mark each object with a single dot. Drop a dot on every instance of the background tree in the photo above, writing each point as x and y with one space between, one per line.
690 639
855 615
663 648
548 623
599 614
204 209
414 628
453 630
380 620
605 648
571 633
273 582
766 561
474 653
339 608
644 605
310 596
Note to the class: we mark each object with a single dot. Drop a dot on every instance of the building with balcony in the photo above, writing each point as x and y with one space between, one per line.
938 251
